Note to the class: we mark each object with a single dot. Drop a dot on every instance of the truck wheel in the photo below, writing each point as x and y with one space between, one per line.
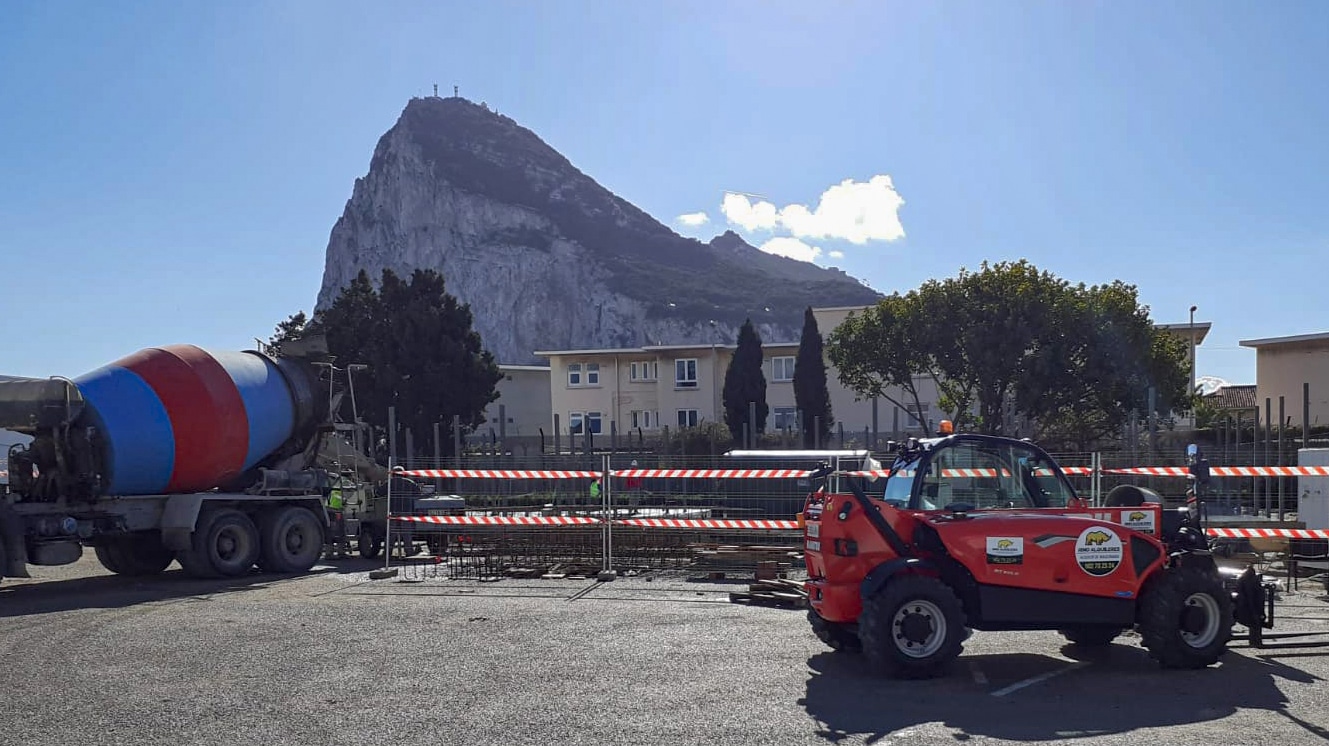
370 546
292 540
225 544
838 636
134 556
913 627
1091 637
1185 618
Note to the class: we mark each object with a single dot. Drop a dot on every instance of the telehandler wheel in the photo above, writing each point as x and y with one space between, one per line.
1185 617
837 636
224 544
292 540
134 556
913 627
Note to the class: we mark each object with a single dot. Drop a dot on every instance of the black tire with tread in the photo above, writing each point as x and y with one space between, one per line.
276 529
837 636
134 556
1091 636
1161 608
370 546
203 560
878 639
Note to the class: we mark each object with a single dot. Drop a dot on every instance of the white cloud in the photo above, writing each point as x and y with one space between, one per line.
748 216
836 254
853 211
694 219
792 248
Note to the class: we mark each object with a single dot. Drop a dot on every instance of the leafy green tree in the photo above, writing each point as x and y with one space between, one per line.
424 357
290 329
1023 351
811 396
882 351
745 382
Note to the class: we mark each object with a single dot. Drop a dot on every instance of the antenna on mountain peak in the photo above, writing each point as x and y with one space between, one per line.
456 92
436 90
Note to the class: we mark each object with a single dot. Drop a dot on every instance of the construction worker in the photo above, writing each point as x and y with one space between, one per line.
337 545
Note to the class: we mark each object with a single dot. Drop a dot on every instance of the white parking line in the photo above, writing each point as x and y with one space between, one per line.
1039 678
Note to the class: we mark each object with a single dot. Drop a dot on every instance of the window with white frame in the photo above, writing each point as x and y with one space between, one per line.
574 374
915 416
592 374
575 422
685 373
687 418
782 369
785 418
642 418
593 422
644 370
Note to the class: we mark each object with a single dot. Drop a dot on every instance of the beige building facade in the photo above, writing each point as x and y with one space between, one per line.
645 389
1283 366
523 399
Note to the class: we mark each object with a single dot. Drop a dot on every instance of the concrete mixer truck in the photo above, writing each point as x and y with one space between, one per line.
172 453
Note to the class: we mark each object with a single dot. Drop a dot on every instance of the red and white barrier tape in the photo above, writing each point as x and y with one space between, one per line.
1226 471
1268 533
712 473
753 525
498 474
498 520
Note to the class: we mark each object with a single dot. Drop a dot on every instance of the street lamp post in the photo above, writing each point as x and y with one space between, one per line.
1192 363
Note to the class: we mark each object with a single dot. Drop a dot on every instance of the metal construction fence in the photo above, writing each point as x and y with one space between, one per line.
578 515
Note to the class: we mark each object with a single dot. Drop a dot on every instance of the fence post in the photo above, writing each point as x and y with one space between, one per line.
607 491
1282 423
392 455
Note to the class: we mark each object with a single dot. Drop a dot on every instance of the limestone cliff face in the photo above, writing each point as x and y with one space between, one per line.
546 257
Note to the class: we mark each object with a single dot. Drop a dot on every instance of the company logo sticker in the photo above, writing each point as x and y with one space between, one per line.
1098 551
1140 520
1005 550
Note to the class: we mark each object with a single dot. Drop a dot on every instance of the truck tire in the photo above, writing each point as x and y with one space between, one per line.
370 545
225 544
837 636
134 556
1089 636
912 628
292 540
1185 617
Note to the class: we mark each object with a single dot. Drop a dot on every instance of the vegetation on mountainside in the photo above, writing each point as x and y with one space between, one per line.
1017 351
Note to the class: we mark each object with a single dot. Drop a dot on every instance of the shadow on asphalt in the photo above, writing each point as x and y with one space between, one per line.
26 598
1114 691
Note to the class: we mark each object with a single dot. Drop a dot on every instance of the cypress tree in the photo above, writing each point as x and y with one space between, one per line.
745 382
811 395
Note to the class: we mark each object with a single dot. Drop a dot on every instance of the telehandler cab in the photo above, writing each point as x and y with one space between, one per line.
974 532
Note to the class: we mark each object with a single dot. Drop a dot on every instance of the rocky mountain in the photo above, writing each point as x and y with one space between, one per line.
545 256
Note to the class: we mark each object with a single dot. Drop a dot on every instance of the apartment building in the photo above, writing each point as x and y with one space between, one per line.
1283 368
651 387
523 401
682 386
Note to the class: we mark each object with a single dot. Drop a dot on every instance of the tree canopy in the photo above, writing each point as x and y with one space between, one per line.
811 395
1015 350
423 356
745 382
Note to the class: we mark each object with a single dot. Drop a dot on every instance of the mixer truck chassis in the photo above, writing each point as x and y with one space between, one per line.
209 459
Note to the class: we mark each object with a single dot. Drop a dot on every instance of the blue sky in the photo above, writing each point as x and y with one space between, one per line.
172 170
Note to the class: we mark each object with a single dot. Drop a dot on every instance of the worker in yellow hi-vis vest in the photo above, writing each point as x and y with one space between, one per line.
337 545
595 491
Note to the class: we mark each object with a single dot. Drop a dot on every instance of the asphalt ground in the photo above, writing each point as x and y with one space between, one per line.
335 658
